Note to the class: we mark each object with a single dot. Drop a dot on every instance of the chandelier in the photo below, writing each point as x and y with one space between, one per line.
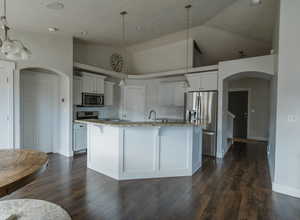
11 49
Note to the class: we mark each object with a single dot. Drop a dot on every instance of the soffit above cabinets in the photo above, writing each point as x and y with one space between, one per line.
98 70
93 69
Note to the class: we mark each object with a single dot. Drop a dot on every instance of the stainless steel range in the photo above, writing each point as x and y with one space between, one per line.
87 115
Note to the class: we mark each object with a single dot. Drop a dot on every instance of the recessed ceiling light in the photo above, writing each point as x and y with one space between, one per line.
56 5
53 29
256 2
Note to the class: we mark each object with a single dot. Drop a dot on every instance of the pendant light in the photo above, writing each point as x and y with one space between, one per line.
188 10
255 2
123 14
11 49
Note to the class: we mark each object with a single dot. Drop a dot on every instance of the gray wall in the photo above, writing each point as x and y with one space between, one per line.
259 105
287 160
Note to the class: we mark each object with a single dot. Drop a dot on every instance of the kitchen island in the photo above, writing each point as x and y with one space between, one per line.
136 150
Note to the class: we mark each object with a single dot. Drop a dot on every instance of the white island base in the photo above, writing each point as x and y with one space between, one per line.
137 152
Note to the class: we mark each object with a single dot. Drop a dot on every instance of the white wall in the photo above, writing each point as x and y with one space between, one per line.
287 160
153 57
259 105
53 53
168 52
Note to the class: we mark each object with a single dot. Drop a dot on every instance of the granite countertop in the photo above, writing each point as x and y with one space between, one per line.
134 124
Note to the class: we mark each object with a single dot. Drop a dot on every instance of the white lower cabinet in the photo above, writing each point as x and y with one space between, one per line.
79 137
125 153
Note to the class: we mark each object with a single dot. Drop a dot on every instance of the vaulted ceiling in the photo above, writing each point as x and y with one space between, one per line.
147 19
255 22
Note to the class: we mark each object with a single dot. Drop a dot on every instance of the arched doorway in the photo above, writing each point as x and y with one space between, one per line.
259 67
249 96
44 116
247 99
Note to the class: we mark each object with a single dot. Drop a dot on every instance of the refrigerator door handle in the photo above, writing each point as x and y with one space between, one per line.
200 108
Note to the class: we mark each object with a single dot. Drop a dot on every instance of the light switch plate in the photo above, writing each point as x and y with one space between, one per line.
292 118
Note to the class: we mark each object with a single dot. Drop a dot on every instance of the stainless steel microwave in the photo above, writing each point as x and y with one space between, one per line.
92 100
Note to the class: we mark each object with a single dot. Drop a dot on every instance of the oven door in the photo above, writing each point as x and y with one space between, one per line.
92 99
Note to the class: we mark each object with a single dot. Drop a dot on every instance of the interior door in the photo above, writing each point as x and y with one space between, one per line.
6 109
134 103
39 102
238 105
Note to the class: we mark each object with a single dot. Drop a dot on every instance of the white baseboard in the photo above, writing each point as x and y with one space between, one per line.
66 154
294 192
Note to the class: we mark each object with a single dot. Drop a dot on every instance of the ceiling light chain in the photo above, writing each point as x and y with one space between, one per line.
188 9
123 14
3 17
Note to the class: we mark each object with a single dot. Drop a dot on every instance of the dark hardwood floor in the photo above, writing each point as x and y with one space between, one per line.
237 187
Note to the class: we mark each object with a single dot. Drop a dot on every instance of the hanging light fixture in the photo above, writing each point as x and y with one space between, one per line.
255 2
11 49
188 10
123 14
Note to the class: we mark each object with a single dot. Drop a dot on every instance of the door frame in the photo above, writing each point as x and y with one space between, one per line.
10 68
124 97
248 107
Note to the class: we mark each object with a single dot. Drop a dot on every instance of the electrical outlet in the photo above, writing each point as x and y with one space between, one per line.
292 118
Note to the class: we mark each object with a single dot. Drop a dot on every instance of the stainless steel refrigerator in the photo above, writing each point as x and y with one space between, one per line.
201 107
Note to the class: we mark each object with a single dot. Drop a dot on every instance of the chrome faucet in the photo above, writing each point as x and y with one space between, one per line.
150 114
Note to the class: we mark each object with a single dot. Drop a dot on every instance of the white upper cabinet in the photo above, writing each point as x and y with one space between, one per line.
88 84
171 94
179 91
203 81
109 93
92 83
165 94
77 90
134 103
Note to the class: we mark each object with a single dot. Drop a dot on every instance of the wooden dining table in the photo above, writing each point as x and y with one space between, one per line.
20 167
